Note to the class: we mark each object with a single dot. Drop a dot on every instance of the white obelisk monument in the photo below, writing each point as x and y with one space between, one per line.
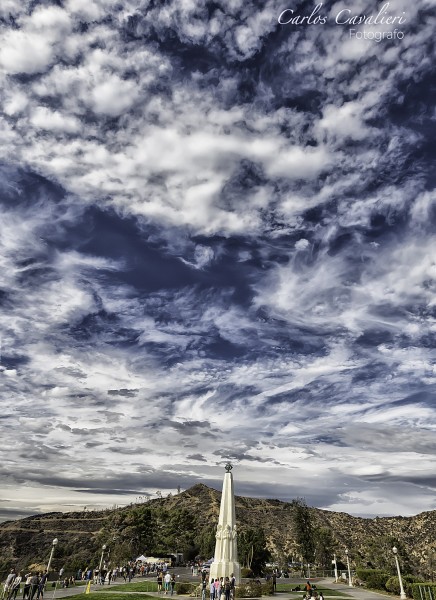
225 562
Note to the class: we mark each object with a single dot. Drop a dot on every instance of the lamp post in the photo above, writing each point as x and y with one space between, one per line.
53 545
103 548
336 568
402 593
350 583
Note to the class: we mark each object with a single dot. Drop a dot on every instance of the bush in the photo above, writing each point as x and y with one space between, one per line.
373 578
423 591
252 589
246 573
184 588
267 588
393 584
408 582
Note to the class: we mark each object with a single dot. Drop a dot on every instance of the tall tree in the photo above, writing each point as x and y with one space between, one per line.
303 529
207 539
252 550
378 554
325 546
181 530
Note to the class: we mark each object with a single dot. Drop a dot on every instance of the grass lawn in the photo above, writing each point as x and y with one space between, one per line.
111 596
287 587
103 595
137 586
182 587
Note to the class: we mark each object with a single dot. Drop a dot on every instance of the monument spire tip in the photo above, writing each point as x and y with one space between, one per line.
228 467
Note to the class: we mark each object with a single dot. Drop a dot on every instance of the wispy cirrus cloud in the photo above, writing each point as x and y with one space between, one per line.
217 239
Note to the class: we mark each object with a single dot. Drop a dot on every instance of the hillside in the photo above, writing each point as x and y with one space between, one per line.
186 522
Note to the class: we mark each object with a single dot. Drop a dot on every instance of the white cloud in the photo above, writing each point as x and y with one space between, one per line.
23 52
302 244
345 121
48 120
114 96
288 194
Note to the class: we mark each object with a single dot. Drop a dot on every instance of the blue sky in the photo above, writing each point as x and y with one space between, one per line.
217 243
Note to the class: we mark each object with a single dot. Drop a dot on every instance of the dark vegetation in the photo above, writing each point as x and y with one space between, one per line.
269 531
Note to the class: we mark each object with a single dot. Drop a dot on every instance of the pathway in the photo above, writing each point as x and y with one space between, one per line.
358 593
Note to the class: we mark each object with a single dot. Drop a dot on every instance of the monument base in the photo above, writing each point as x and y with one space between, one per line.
225 568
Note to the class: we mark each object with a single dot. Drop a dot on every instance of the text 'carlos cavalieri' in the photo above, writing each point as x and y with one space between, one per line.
346 16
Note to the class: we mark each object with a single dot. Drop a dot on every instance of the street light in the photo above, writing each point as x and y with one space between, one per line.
53 545
350 583
402 594
336 568
103 548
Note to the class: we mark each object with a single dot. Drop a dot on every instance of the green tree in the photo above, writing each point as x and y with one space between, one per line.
181 531
303 529
378 554
325 546
207 540
252 550
129 533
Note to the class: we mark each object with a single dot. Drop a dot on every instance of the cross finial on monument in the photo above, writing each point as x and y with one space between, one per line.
228 467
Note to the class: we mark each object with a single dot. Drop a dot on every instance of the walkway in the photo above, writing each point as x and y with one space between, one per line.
357 593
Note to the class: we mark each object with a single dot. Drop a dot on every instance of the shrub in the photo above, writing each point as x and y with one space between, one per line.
373 578
184 588
252 589
393 584
423 591
245 573
267 588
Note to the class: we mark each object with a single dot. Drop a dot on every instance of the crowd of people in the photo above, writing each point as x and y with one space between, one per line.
106 575
219 589
33 585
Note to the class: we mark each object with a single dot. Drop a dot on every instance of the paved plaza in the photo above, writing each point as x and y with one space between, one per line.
358 593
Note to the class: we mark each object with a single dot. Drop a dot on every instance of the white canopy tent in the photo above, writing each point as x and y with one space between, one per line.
150 559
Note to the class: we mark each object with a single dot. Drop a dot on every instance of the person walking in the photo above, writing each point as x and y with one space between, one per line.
227 588
167 581
34 584
41 586
232 585
173 583
27 585
217 589
159 581
14 587
8 583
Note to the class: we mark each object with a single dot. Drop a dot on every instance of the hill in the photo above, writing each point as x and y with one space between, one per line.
186 523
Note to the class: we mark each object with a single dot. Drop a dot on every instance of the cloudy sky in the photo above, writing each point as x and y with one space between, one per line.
217 243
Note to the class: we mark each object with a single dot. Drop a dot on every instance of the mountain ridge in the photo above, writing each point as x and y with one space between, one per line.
187 520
